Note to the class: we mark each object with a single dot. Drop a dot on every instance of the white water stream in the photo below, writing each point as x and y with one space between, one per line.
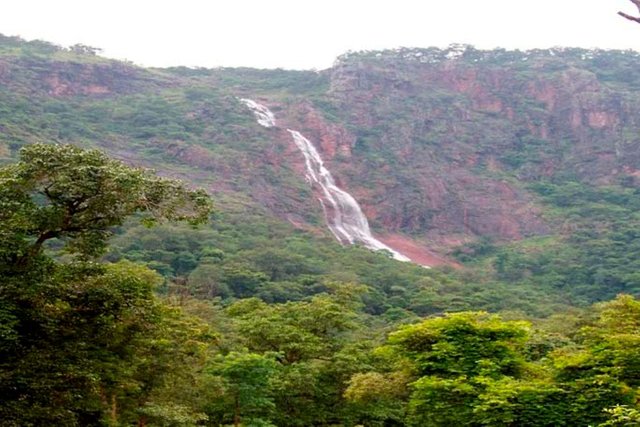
263 114
343 214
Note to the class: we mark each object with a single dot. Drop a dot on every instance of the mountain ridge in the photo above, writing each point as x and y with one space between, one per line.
441 147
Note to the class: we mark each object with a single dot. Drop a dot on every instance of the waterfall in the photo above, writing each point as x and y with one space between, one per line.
342 212
264 116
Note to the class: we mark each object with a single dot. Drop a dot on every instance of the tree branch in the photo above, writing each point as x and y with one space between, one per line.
630 17
35 248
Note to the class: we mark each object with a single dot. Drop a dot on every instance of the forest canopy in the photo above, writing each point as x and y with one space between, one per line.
85 341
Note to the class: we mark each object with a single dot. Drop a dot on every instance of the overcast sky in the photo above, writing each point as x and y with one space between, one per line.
302 34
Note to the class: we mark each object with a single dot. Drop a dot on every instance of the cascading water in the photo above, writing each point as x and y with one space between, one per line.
343 214
263 114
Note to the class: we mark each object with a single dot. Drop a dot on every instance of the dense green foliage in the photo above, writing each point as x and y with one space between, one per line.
83 342
595 257
475 369
88 343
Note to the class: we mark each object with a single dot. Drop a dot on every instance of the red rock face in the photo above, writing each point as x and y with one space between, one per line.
544 92
58 86
441 191
451 202
601 119
466 81
329 138
62 79
494 208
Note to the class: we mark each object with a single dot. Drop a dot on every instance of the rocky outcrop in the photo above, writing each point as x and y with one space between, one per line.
332 139
441 128
63 79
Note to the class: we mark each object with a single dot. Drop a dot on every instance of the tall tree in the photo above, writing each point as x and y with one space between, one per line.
75 333
74 195
246 388
310 341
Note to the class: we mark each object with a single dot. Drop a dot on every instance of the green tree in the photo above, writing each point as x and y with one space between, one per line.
310 339
622 416
603 370
465 368
78 337
614 339
74 195
378 398
246 388
463 344
454 357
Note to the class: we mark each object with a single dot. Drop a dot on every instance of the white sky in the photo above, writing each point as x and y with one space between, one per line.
304 34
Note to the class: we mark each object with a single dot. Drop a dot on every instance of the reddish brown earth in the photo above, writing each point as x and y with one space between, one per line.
416 252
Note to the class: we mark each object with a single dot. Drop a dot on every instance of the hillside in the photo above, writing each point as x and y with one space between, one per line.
506 161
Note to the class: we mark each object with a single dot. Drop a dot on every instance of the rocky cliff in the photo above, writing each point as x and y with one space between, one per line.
442 143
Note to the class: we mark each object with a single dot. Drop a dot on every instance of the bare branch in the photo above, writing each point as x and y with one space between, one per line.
629 17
